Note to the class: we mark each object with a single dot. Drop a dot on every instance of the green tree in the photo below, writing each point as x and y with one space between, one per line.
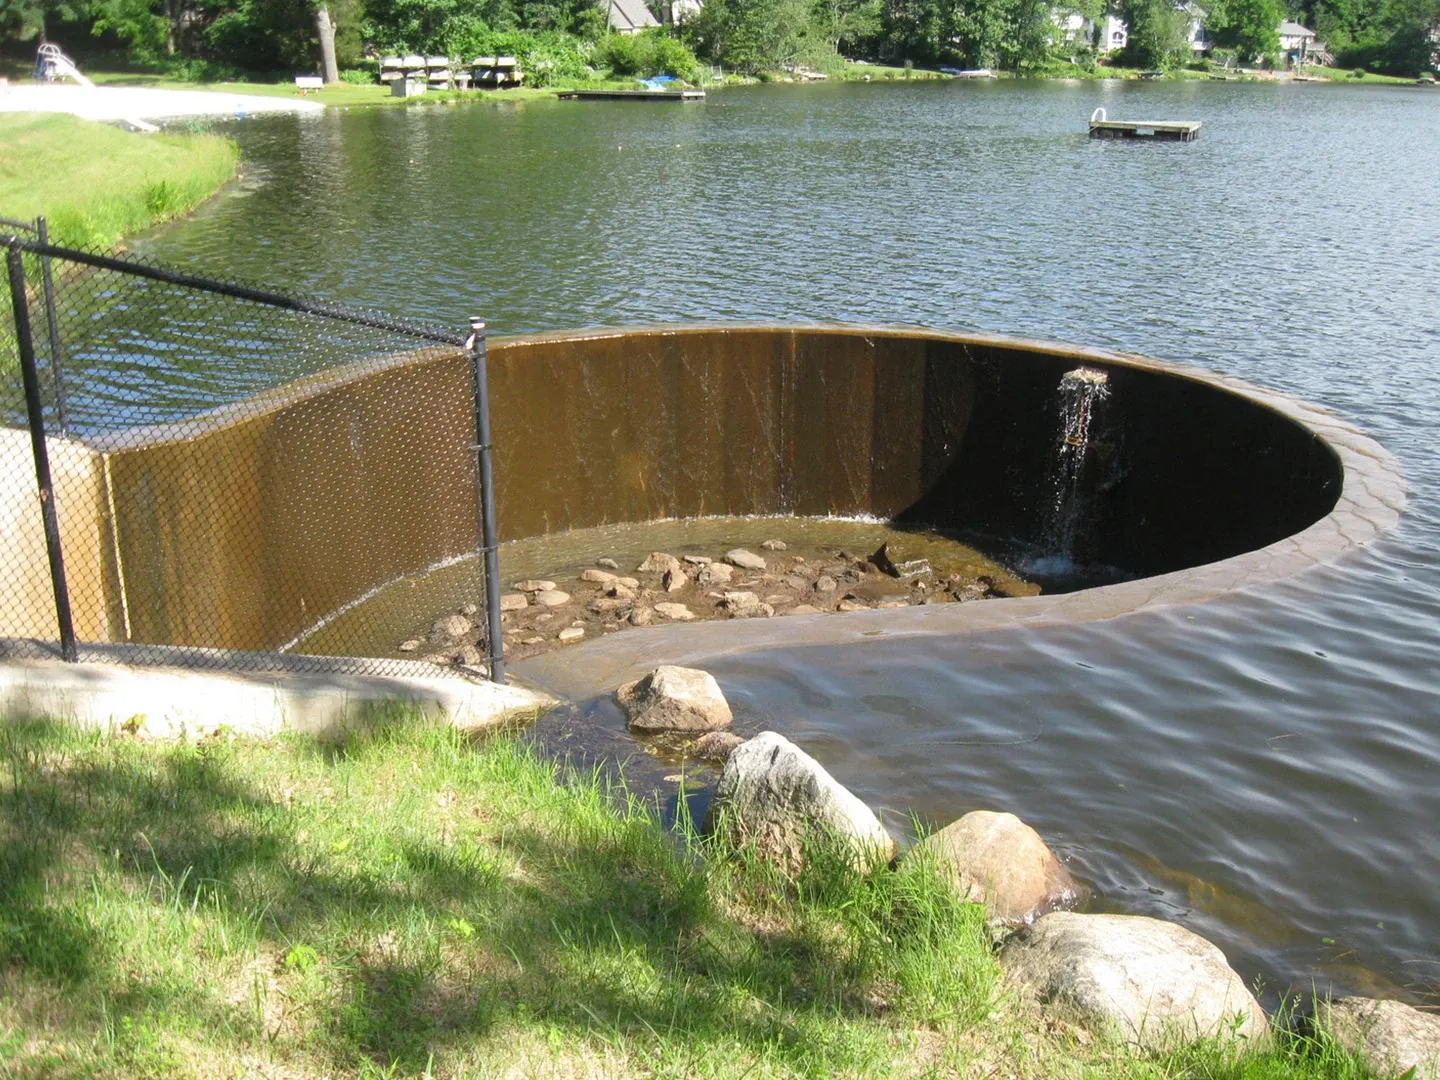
1250 27
1157 32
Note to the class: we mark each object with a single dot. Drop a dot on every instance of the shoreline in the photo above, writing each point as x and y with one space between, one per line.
98 185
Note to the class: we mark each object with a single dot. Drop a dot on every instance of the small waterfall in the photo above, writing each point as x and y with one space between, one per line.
1081 391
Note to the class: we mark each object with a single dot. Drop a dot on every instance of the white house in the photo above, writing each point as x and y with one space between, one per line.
1295 41
1110 34
630 16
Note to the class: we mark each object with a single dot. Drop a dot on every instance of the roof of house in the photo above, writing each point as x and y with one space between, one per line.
630 15
1294 29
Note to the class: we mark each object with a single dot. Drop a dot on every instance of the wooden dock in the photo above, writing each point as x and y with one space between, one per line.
632 95
1172 130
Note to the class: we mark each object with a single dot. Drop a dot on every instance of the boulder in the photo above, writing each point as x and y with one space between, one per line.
697 560
999 861
1390 1037
678 612
657 563
450 628
745 605
643 616
535 585
802 609
1154 983
773 794
608 564
715 746
571 633
411 645
746 560
825 584
513 601
675 580
600 577
674 698
715 574
552 598
470 656
773 545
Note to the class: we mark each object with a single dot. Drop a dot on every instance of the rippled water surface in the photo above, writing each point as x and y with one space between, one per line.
1265 768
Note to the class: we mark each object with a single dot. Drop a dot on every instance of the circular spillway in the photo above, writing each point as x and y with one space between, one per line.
313 514
1180 484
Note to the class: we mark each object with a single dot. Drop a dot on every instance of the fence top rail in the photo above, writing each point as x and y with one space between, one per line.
337 312
13 223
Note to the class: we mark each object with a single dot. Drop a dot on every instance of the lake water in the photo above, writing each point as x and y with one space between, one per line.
1264 769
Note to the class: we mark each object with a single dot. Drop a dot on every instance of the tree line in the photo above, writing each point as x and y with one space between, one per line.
567 39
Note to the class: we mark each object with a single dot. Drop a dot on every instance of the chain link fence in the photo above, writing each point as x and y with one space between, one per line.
201 473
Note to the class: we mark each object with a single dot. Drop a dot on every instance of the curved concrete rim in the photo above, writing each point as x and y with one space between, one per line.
1372 499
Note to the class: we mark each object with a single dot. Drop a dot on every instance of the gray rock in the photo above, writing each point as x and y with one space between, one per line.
657 563
773 545
825 584
513 601
697 560
628 582
598 576
642 616
608 605
450 628
851 605
674 580
716 746
715 574
1154 983
678 612
535 585
622 592
470 656
774 795
532 640
608 564
1390 1037
999 861
674 698
802 609
469 609
745 605
552 598
411 645
571 633
746 560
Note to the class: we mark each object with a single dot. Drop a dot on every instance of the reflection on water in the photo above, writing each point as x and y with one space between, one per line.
1282 748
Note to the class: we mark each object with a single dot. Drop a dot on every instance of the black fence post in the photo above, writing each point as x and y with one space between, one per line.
57 366
35 409
489 535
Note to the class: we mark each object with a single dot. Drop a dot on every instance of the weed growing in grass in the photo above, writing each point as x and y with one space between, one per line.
405 902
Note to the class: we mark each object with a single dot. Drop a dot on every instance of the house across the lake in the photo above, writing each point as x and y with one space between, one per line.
1296 42
630 16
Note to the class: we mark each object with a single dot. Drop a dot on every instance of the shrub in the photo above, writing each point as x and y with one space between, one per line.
358 76
1358 73
653 52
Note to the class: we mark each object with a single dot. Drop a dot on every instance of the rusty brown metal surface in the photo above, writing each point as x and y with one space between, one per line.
633 425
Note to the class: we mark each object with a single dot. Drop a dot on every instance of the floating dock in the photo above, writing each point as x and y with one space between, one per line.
1173 130
633 95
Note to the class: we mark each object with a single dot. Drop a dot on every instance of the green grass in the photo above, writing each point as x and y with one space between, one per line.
1347 75
409 903
96 183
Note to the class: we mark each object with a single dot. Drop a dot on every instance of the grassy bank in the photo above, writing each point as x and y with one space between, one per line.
96 183
407 903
